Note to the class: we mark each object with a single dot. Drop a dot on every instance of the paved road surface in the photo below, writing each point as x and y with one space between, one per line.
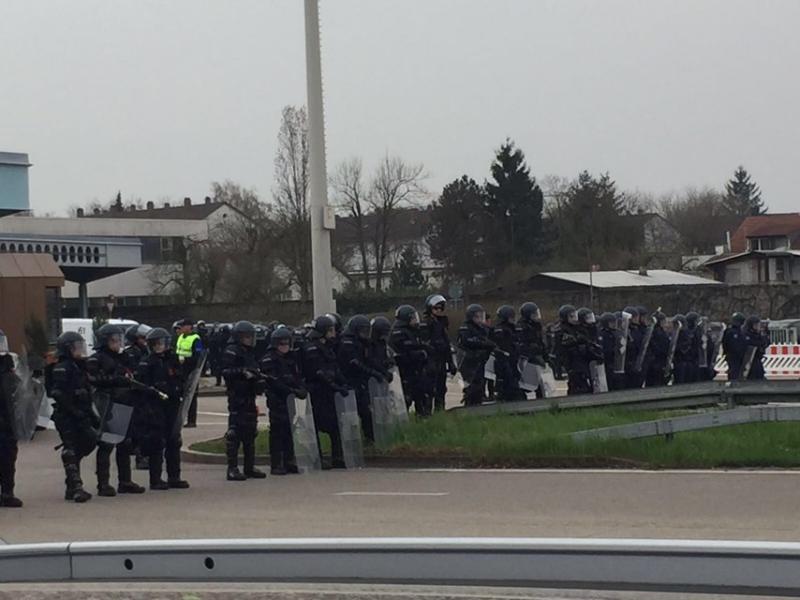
737 505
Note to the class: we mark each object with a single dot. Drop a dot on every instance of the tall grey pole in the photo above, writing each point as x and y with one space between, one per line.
321 219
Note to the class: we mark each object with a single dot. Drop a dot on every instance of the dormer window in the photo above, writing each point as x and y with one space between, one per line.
776 242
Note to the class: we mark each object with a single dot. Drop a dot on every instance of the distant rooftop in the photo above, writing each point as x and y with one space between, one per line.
614 279
14 158
184 211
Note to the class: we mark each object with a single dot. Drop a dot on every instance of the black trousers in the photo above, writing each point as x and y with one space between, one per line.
242 431
281 444
8 463
160 442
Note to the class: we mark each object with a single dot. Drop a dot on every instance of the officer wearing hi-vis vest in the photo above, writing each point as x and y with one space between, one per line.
189 348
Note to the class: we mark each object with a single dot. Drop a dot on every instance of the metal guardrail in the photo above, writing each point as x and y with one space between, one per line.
670 426
692 395
619 564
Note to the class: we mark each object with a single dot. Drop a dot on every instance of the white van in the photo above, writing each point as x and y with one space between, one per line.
85 327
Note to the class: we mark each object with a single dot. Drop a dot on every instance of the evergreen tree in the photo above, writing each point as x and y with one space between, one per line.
743 196
458 224
514 205
407 272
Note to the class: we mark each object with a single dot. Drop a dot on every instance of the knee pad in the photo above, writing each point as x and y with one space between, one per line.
231 436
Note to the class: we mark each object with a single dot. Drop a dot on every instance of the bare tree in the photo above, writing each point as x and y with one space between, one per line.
351 200
396 184
290 198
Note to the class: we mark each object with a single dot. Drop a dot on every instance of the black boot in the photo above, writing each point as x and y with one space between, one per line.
290 463
250 470
10 501
234 474
126 483
74 491
156 462
129 487
232 452
104 471
7 473
277 465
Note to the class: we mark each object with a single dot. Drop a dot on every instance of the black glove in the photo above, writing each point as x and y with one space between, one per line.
300 393
452 370
388 377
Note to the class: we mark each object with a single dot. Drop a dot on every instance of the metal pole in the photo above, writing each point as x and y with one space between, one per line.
83 300
321 270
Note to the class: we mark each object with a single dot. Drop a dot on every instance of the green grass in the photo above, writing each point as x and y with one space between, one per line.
541 440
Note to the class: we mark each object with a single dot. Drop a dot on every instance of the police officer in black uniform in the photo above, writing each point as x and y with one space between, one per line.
160 438
607 339
683 360
244 382
9 383
577 350
734 346
756 338
74 416
111 379
380 328
324 379
633 377
281 368
474 342
504 335
357 369
530 335
433 331
411 355
657 353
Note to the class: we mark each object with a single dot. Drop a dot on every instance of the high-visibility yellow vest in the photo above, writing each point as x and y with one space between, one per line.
185 343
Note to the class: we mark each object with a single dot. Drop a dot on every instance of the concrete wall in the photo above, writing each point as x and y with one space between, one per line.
105 227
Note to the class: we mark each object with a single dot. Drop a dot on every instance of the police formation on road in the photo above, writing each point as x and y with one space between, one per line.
136 392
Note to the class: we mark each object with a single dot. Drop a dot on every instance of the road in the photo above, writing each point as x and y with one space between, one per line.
377 502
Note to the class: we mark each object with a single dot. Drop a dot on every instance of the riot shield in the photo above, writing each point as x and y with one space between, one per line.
621 342
115 423
304 434
547 380
598 373
383 419
702 347
488 369
648 335
350 429
673 343
189 389
25 401
397 398
44 418
749 357
528 376
716 332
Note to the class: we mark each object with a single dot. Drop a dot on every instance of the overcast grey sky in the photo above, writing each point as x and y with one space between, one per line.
160 97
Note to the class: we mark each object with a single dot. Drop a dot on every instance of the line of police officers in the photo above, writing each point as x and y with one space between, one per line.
326 358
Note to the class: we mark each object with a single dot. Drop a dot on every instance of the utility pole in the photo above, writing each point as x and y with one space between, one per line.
322 219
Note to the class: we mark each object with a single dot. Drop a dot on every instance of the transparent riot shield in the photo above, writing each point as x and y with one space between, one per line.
749 357
648 335
115 423
716 332
547 381
44 418
673 344
598 373
621 342
397 398
350 429
25 396
304 434
189 389
488 369
702 347
383 421
528 376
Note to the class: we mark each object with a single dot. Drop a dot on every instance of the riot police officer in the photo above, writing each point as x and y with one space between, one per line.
244 382
283 379
354 362
503 334
324 379
734 346
135 351
112 384
576 353
683 360
433 331
380 327
655 367
607 339
9 383
474 342
530 335
74 416
757 340
634 377
161 439
411 354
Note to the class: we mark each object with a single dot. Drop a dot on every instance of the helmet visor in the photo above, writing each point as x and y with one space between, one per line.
591 319
572 318
479 317
79 349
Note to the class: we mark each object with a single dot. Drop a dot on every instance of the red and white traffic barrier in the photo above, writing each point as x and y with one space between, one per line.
781 361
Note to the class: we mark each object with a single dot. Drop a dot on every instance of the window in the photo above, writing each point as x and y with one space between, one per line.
768 243
780 274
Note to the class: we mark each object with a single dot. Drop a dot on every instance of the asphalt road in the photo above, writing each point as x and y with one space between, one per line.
376 502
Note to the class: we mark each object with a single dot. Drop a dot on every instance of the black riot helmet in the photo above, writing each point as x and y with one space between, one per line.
358 326
660 318
70 343
737 319
608 320
156 336
281 335
680 319
108 335
586 316
506 314
244 332
136 332
753 322
433 301
691 319
475 311
642 312
321 326
338 325
568 314
407 314
380 328
530 311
